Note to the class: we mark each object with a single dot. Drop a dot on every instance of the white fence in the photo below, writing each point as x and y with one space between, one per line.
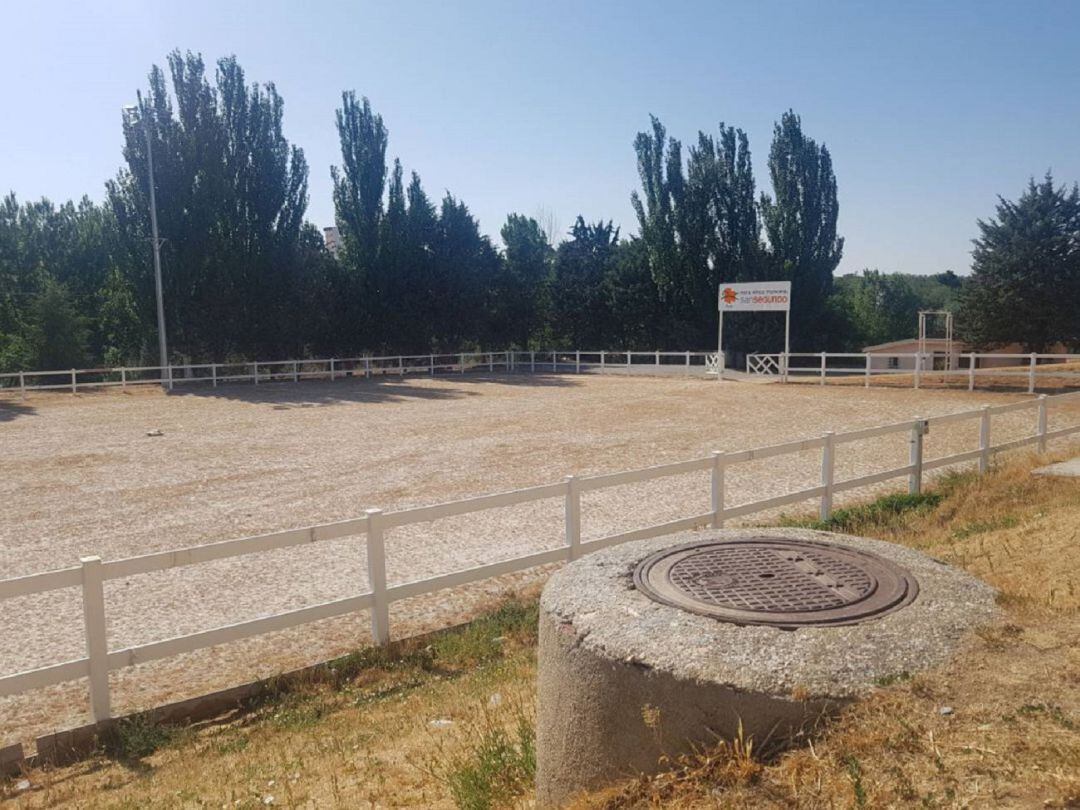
374 525
969 367
334 368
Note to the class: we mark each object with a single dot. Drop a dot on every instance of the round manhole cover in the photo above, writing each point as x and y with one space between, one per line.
776 581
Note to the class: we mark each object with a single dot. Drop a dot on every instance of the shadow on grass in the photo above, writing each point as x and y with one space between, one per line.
318 393
10 411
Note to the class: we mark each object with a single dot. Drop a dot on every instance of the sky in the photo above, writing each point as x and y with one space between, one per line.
930 109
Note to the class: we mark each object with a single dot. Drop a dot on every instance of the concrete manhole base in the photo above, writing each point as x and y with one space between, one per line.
625 679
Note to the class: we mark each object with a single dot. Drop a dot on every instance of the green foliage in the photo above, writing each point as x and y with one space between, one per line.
889 511
136 737
875 307
497 768
1026 272
58 332
800 222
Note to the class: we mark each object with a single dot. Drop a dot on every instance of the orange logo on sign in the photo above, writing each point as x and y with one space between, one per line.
730 296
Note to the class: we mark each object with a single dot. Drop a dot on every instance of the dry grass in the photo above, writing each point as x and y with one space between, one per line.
1010 736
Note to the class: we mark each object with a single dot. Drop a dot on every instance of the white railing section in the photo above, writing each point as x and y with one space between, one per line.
335 368
968 367
92 572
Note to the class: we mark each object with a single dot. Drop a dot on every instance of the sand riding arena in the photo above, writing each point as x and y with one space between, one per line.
118 474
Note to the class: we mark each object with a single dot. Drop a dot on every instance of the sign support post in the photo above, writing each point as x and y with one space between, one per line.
755 296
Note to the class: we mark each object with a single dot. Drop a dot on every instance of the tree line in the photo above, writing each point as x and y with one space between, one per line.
246 275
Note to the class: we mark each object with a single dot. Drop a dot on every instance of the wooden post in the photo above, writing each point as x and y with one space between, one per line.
918 430
822 368
376 566
97 651
1041 429
573 517
971 371
866 383
984 440
1031 374
828 472
717 489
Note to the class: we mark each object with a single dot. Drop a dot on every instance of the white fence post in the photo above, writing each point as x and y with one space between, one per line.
295 372
717 500
628 359
123 379
984 440
255 372
461 362
971 371
918 430
532 362
866 383
688 359
491 362
1041 429
213 375
22 385
602 361
577 361
376 566
97 650
573 517
828 473
331 369
401 366
823 368
918 369
431 364
1031 374
657 358
74 386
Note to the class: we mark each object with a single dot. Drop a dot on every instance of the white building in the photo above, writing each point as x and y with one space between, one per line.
332 240
900 355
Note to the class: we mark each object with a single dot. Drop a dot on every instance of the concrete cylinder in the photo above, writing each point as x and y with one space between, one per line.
625 680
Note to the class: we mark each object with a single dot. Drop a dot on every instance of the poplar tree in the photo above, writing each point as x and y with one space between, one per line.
800 222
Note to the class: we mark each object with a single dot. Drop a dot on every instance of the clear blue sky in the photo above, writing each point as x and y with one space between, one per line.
930 109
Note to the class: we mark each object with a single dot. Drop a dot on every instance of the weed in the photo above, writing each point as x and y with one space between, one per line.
887 512
854 771
135 737
495 768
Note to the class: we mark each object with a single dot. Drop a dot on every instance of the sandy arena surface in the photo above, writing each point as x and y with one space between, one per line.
79 475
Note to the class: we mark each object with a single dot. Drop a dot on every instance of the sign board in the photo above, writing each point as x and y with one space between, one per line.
755 296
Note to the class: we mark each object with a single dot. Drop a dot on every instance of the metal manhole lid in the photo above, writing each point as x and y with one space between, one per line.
776 581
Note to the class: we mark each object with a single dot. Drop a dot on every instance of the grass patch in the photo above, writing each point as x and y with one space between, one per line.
136 737
495 767
887 512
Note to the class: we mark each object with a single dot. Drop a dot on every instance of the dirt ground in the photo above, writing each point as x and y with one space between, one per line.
79 475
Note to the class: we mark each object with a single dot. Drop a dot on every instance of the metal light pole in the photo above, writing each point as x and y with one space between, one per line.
138 114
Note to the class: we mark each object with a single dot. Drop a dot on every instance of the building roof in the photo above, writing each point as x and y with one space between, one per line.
896 344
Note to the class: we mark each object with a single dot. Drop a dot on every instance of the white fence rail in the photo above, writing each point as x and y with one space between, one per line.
334 368
374 525
966 368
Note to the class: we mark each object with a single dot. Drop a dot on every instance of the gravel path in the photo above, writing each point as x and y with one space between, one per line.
79 475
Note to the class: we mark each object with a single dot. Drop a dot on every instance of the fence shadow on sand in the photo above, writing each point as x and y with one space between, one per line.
390 389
